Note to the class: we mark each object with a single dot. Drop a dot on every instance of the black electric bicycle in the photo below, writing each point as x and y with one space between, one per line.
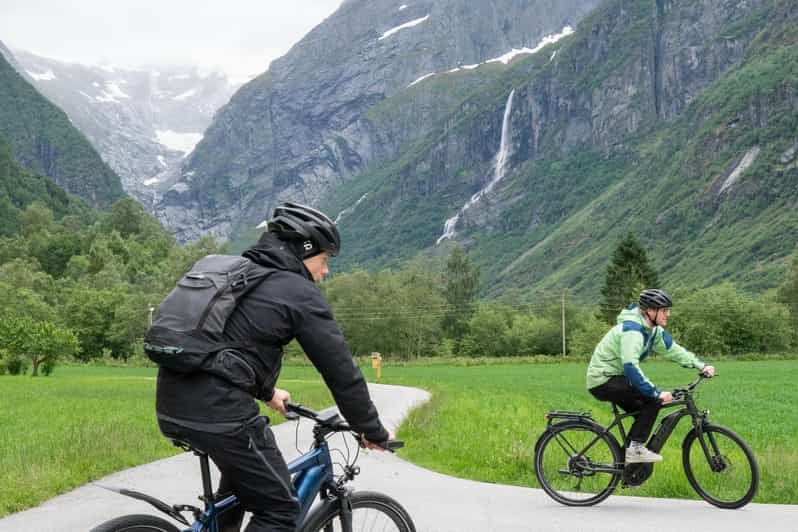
340 508
579 462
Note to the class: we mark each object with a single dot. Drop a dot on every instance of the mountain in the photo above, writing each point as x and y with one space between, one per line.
339 102
673 119
43 140
142 122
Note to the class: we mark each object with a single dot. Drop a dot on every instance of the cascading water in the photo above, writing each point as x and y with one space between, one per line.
498 172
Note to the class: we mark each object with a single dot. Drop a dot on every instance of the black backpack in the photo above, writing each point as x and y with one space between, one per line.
187 329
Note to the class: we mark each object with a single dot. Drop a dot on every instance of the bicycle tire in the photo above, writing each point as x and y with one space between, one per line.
136 523
561 471
735 462
375 508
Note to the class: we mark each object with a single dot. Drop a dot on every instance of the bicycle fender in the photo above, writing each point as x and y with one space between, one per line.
157 503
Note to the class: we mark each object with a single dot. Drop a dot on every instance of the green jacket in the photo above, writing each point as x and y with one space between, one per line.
627 344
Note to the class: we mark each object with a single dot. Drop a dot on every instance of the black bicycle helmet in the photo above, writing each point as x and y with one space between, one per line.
316 231
655 298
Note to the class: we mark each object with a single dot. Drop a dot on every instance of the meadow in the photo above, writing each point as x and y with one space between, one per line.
85 422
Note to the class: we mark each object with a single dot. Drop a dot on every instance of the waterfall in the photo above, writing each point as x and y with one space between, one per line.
498 172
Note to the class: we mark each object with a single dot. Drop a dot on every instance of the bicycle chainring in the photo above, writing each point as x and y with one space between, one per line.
635 474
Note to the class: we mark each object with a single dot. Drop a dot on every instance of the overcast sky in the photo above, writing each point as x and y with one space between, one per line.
239 37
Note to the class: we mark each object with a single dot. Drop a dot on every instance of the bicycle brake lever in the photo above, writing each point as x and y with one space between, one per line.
291 416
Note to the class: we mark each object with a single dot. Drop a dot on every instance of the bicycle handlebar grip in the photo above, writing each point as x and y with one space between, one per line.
392 445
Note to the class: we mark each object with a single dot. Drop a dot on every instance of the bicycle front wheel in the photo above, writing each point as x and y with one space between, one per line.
720 467
370 512
136 523
576 464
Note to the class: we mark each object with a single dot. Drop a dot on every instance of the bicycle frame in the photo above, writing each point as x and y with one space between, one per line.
658 439
312 475
311 472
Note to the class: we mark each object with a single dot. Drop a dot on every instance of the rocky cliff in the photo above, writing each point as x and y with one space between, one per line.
655 116
338 102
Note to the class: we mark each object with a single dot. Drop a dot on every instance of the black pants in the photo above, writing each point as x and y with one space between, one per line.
618 390
252 468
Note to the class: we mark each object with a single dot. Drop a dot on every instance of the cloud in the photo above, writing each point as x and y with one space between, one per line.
239 37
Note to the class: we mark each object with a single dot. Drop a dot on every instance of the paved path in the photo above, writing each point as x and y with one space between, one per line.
438 503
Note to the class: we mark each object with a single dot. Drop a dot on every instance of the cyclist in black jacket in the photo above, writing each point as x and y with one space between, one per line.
222 418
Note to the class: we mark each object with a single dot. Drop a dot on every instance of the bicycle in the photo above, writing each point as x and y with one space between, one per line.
340 507
579 462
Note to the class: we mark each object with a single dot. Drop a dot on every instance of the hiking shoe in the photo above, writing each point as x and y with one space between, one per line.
641 455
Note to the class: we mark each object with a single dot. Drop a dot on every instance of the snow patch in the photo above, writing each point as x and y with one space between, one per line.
422 78
106 98
747 160
509 56
114 90
44 76
161 160
402 7
173 140
401 27
547 40
188 94
150 182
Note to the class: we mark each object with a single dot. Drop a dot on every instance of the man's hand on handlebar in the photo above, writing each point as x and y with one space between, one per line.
665 397
708 371
376 446
278 400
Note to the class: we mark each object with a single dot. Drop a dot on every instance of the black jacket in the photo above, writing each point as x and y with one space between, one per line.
286 305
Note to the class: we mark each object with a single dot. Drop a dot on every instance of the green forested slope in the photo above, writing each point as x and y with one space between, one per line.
44 141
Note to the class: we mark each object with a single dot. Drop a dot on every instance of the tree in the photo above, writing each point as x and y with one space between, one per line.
37 217
41 342
128 217
461 288
627 275
788 294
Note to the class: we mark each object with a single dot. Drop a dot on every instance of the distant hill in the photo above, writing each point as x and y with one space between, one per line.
43 140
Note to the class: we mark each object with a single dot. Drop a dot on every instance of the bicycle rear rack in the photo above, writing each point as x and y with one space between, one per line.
565 414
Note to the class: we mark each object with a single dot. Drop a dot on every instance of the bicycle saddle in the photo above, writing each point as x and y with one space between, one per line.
187 447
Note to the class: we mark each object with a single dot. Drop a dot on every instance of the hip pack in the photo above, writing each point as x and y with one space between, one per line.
187 329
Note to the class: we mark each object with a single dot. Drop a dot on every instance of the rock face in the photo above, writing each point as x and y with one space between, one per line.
318 117
649 118
143 123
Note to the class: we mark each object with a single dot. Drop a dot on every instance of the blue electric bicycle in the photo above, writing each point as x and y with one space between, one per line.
340 507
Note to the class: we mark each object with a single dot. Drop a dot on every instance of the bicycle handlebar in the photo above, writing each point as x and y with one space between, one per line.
335 423
679 393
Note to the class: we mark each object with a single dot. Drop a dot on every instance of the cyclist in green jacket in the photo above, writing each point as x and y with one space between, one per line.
614 372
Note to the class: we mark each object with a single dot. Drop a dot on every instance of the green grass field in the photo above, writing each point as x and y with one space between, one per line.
85 422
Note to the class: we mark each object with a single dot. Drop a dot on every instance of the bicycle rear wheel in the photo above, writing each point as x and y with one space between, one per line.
720 467
576 464
136 523
371 511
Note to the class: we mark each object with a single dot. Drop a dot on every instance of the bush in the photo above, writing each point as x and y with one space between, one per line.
583 340
720 320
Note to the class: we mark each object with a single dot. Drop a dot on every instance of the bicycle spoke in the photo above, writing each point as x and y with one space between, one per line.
721 468
566 465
